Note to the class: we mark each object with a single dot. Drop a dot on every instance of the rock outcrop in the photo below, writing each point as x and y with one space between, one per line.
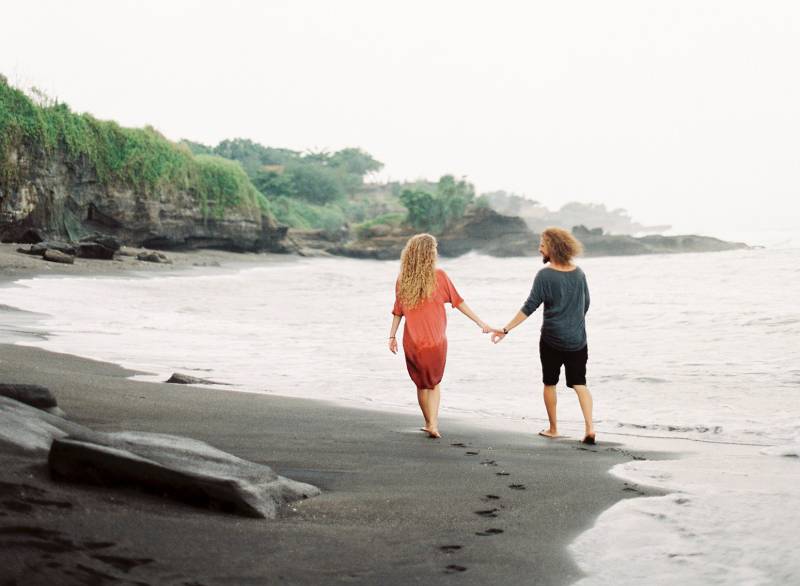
183 468
52 198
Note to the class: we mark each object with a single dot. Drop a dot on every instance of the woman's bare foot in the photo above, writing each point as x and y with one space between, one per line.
589 438
433 433
551 433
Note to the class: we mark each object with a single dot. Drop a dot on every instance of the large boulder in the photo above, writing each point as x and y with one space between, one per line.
33 395
29 429
183 468
94 250
59 257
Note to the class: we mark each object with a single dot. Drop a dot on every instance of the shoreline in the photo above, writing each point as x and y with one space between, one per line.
391 497
391 500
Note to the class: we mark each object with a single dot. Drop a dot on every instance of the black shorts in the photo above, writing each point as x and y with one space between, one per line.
574 364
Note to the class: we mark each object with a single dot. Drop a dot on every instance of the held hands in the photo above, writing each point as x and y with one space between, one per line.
497 335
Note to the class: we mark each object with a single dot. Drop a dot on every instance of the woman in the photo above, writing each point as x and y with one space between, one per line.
420 295
563 290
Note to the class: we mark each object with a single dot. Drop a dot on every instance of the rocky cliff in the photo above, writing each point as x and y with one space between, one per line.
52 197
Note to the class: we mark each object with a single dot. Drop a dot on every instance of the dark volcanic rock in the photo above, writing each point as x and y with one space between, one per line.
103 240
60 257
153 256
484 230
35 250
33 395
94 250
185 379
64 247
182 468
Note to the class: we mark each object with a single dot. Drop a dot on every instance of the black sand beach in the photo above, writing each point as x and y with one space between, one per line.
476 507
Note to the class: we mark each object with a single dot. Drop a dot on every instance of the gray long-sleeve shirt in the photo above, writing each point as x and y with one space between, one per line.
565 295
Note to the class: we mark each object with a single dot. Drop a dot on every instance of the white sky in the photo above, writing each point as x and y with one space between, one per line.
685 113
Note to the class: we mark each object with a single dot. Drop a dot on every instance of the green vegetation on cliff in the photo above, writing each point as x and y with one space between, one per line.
140 158
433 210
304 190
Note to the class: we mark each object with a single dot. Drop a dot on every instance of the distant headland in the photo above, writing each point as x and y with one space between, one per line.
70 178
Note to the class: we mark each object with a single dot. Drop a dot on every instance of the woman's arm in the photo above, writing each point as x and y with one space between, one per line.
464 308
393 333
498 335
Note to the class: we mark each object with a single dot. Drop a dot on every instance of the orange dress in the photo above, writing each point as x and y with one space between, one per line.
424 338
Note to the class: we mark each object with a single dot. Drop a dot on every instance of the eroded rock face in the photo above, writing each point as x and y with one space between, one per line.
186 469
55 200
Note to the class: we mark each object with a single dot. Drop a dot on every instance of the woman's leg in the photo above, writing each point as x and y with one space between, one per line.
433 410
422 399
429 403
550 400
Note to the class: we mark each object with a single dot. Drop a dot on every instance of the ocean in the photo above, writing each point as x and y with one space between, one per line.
695 356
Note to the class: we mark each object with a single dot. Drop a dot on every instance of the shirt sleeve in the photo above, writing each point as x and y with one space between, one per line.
452 295
535 298
398 307
586 296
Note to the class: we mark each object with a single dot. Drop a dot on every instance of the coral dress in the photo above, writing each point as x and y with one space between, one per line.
424 339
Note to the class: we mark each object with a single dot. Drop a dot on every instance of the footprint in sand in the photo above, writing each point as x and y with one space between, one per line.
516 486
472 453
450 548
489 532
454 569
458 445
491 497
503 473
489 463
489 513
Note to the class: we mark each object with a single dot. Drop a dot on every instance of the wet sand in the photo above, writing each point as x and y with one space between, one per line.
476 507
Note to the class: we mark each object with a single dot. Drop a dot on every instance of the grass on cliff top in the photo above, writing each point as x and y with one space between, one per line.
141 159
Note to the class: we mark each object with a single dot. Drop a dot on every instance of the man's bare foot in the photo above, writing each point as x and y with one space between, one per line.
549 433
433 433
589 438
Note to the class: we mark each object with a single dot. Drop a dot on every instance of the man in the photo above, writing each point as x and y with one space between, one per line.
562 288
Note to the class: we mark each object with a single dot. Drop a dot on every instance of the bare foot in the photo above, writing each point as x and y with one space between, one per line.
549 433
433 433
589 438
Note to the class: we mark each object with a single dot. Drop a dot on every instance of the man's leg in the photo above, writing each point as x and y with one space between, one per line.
585 399
550 400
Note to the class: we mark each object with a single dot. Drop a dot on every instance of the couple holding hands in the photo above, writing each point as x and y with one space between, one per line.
420 295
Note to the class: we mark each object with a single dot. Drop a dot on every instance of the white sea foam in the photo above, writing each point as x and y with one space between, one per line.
699 347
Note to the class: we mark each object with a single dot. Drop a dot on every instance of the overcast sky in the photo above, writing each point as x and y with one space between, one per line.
686 113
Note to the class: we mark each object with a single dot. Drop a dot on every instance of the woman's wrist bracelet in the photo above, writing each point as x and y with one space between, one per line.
392 337
505 331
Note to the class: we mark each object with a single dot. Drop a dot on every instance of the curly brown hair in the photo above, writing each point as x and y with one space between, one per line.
561 245
417 278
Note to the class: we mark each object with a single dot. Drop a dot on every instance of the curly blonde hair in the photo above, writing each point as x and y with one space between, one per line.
417 279
561 245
